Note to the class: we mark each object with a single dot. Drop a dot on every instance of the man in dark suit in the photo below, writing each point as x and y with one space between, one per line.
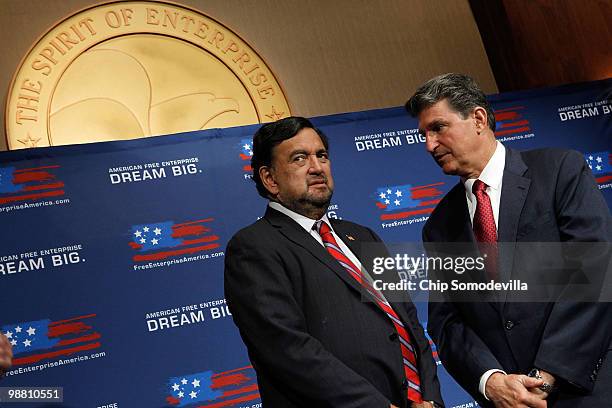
298 288
509 353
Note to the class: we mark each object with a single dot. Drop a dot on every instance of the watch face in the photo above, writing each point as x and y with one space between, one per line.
535 373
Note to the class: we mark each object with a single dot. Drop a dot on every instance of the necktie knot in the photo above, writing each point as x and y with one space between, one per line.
322 228
478 187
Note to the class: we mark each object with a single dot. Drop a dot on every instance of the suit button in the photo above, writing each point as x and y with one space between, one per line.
509 324
393 336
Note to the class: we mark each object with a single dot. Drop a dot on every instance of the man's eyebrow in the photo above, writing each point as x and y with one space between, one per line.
297 151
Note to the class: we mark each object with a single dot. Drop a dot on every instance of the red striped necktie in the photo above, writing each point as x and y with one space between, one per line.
408 354
484 228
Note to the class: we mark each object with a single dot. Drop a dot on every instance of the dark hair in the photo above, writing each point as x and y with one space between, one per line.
461 91
271 135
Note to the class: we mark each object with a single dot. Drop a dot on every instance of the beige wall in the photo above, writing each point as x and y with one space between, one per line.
330 56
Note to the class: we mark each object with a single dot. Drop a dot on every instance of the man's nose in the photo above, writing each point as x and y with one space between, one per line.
314 164
431 142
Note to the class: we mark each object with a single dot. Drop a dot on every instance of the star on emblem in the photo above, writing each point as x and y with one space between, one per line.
275 115
184 381
31 331
154 241
396 202
181 394
195 383
138 233
27 343
29 141
157 231
398 193
142 240
193 394
389 191
8 334
17 329
387 202
13 342
599 159
383 195
146 229
175 387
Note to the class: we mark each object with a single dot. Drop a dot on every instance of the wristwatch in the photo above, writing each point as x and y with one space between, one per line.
546 387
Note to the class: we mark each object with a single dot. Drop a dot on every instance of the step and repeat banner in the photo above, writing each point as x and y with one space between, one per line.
111 254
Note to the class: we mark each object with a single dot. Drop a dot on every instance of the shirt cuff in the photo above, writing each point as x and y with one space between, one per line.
484 378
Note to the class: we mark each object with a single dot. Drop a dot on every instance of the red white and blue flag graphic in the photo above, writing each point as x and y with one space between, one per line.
167 239
404 201
45 339
29 184
209 390
600 164
510 121
246 152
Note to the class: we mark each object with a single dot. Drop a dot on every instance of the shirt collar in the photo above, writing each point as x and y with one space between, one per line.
303 221
493 173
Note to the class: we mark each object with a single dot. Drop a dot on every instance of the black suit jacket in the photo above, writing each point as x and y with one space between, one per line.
548 195
311 338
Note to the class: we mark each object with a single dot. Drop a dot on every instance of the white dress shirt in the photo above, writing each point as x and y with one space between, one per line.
308 223
492 175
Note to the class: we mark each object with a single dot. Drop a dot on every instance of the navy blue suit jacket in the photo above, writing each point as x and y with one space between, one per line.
548 195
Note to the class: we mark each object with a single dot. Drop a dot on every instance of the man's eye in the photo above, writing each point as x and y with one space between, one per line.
299 158
323 156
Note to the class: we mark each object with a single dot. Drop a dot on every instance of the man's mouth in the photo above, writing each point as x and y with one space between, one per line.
317 182
438 157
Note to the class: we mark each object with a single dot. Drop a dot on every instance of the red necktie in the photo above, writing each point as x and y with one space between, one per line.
484 228
408 355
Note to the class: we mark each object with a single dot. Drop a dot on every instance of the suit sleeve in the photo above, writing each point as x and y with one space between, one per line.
577 334
464 355
260 295
430 385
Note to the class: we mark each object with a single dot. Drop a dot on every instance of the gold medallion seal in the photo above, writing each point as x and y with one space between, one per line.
132 69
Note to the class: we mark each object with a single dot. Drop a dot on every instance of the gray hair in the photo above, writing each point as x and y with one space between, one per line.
460 90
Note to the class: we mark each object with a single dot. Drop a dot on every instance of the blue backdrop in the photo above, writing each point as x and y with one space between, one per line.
111 254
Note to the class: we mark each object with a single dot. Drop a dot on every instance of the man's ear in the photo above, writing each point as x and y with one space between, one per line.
266 175
481 118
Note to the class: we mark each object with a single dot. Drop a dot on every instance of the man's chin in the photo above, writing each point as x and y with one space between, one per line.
320 199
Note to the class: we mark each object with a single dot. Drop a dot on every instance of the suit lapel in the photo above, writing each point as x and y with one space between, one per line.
515 188
296 234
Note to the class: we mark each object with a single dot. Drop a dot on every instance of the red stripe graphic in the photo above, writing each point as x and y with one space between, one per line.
39 179
44 186
518 123
405 214
517 130
36 168
229 403
180 231
36 358
61 328
32 196
168 254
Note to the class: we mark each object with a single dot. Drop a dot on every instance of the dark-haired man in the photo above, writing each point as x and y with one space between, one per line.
294 283
514 354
